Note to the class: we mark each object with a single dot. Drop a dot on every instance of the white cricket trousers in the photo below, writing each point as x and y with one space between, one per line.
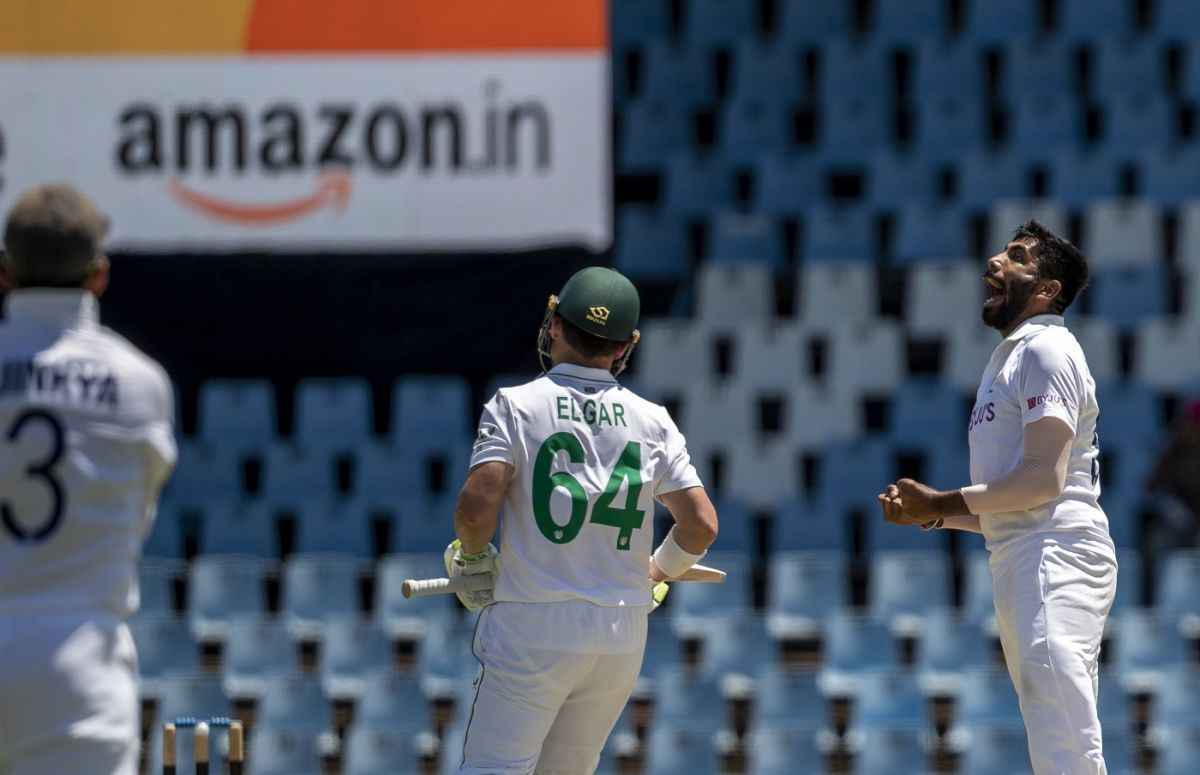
68 696
544 710
1052 597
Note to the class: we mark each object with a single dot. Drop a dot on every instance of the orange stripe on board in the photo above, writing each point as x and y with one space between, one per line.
65 27
278 26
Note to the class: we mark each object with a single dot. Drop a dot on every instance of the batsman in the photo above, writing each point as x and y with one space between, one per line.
567 467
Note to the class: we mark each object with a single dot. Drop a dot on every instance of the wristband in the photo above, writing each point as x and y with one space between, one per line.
671 558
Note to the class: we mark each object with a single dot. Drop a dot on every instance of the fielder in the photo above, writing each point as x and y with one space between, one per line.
575 460
1035 485
86 442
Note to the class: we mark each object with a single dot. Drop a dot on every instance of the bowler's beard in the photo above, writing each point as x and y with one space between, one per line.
1016 299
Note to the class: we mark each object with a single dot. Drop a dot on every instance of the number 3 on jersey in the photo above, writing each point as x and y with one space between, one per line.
626 519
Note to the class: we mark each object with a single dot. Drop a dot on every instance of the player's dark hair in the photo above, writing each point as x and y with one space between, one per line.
588 345
52 237
1058 260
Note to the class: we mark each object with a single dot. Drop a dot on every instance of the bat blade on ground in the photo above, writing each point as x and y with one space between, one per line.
448 586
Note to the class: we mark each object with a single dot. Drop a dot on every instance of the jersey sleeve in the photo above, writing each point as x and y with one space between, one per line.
1050 383
677 473
495 437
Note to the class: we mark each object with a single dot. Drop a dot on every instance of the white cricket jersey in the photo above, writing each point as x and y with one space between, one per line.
589 458
1037 371
86 442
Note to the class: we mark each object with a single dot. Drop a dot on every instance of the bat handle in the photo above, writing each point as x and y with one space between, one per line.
447 586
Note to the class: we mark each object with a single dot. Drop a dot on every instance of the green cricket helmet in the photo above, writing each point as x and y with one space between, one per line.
599 301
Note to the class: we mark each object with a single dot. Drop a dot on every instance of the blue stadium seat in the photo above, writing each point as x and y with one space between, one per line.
729 295
798 526
691 605
737 533
986 697
789 697
678 74
735 645
1004 219
255 645
978 603
767 73
204 475
428 406
786 185
999 21
156 583
804 588
763 474
852 474
884 750
1177 21
1164 354
866 359
637 22
888 698
282 750
908 21
1114 706
1078 177
750 128
191 693
390 697
850 129
907 585
333 414
949 127
671 353
837 233
1086 21
297 474
815 415
293 698
986 176
164 644
425 523
895 179
346 529
925 411
1127 67
1137 123
316 586
812 22
1042 127
663 647
950 644
351 647
1123 232
717 23
746 237
942 70
249 529
947 465
927 231
682 696
1178 698
1190 80
407 618
853 643
696 187
937 296
1132 415
1168 176
1099 339
1178 748
831 294
223 586
853 71
769 357
236 414
1145 643
379 749
684 748
650 245
784 750
165 539
1127 296
1038 68
652 131
995 749
1177 582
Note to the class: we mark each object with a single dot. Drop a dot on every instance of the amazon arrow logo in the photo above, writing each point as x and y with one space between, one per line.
332 190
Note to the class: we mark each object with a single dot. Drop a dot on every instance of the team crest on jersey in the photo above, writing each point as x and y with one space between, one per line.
598 315
485 433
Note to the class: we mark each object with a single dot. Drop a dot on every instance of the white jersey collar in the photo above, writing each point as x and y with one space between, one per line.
57 307
1034 324
583 372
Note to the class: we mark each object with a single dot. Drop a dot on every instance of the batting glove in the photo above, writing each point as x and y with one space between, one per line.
659 594
459 564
